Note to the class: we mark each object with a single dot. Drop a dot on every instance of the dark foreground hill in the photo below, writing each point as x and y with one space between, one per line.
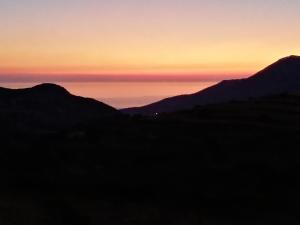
281 77
227 164
47 106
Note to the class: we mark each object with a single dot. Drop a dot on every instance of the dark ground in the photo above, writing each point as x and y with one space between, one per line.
232 164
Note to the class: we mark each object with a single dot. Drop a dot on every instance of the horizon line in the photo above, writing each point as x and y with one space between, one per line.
23 78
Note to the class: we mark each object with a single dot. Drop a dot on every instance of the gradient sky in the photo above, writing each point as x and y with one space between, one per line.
149 37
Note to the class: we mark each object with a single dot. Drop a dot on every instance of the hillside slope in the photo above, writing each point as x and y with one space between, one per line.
281 77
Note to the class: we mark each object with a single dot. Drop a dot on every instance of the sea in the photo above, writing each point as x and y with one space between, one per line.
124 94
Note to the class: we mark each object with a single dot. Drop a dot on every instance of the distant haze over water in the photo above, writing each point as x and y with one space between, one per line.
124 94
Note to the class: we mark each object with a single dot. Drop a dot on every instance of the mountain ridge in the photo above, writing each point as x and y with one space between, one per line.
49 105
280 77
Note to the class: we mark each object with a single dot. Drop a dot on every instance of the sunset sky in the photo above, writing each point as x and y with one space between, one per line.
145 38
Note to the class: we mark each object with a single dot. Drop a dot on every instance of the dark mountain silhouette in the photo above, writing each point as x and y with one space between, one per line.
233 163
48 105
281 77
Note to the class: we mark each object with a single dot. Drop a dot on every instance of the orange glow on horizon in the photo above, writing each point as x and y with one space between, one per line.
146 38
